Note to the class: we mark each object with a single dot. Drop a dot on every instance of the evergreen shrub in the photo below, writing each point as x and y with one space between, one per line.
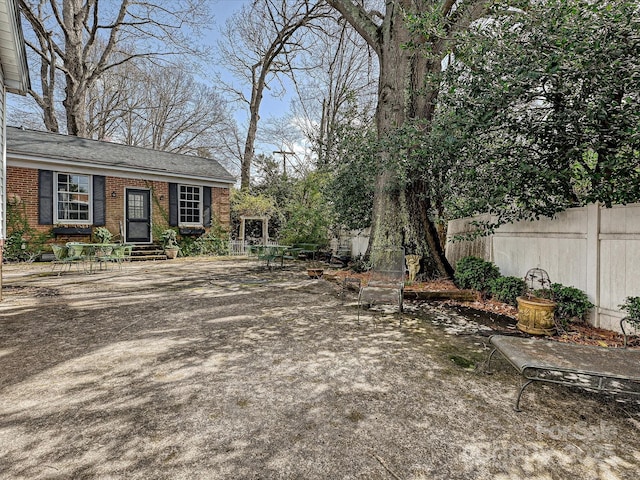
507 289
475 273
572 303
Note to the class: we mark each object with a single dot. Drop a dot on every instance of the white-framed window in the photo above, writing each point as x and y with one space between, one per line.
72 198
190 205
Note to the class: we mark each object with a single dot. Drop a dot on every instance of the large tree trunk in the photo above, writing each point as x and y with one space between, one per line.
401 213
74 17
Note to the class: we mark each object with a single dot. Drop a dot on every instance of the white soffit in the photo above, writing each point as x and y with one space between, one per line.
12 53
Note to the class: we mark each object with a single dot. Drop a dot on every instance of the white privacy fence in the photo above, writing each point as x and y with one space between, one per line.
591 248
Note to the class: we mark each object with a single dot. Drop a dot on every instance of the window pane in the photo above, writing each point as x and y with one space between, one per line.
136 205
73 197
190 204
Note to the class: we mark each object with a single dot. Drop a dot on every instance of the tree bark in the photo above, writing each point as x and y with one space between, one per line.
257 90
400 212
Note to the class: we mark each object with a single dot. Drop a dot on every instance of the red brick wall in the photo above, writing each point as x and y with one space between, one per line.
115 205
22 183
221 206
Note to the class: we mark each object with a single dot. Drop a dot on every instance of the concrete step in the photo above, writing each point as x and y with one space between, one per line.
147 252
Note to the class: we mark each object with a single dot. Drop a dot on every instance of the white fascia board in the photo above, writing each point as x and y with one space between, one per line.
12 50
35 162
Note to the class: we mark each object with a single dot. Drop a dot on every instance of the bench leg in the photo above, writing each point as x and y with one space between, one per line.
516 407
486 368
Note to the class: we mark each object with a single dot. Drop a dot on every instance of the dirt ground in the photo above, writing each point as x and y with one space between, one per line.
219 369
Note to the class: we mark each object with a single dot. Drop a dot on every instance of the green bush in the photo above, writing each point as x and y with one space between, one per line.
475 273
360 264
631 305
103 234
507 289
571 302
23 242
214 242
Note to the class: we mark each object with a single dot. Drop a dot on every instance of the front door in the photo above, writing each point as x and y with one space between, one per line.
138 216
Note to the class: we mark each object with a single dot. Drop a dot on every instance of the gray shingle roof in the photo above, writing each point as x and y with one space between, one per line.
75 149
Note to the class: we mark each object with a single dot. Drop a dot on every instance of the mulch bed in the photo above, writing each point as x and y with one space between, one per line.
580 333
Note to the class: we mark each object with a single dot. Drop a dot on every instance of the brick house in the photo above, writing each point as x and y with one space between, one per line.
68 185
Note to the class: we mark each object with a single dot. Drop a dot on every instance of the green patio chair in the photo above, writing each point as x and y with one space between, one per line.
77 255
61 258
120 254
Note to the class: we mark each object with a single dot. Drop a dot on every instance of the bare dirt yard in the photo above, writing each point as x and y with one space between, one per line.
221 369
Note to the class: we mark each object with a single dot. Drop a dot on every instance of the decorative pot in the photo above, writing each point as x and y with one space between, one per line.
315 272
535 315
171 253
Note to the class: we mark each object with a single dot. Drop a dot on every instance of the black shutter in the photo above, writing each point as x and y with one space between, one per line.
206 206
173 204
45 197
99 204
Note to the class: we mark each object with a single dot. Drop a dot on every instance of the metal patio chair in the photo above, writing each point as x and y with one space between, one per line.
386 279
61 258
120 254
77 254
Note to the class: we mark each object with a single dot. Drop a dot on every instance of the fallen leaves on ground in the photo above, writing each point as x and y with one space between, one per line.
580 333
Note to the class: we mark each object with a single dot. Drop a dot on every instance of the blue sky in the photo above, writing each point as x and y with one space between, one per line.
222 10
271 107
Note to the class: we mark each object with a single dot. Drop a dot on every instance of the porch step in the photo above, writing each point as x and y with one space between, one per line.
147 252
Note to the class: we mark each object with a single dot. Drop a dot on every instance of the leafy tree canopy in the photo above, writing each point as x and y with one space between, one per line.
353 174
308 214
539 111
245 204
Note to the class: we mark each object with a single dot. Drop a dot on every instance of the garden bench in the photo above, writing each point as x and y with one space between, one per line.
342 256
601 369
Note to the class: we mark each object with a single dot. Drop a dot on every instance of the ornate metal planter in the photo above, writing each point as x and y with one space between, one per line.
535 316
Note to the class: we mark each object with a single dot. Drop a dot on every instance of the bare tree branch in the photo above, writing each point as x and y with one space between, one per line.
258 51
87 36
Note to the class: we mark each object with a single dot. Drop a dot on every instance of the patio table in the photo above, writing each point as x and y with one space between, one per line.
269 253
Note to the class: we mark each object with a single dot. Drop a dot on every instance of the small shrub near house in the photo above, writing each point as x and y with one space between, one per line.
215 242
475 273
212 244
23 242
507 289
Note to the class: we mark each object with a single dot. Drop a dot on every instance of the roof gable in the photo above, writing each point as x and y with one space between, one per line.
76 150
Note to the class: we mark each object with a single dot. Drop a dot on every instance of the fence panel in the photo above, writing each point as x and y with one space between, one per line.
591 248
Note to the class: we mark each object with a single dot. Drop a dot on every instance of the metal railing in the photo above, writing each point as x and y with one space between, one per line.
240 248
